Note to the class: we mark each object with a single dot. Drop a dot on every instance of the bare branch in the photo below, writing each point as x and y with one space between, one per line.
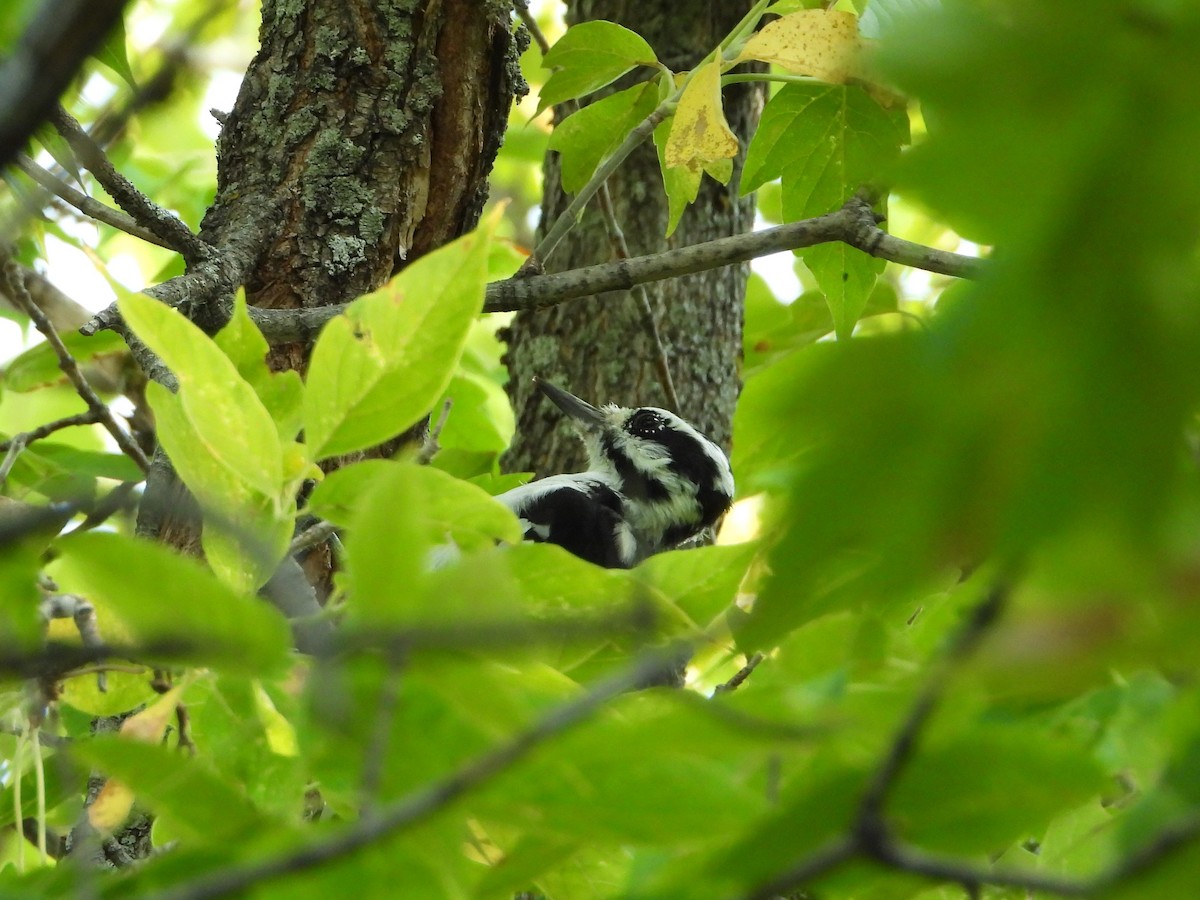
26 438
541 291
430 445
19 294
93 208
740 676
144 211
201 290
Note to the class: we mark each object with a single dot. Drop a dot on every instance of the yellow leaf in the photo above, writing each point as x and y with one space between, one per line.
823 44
111 806
150 724
700 136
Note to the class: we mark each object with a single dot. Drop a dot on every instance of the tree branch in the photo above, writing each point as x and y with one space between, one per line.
66 362
26 438
853 224
141 208
92 208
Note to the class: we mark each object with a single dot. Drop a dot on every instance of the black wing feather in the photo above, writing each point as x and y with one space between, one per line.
586 524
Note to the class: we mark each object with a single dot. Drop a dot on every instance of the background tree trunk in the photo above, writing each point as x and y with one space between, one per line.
599 347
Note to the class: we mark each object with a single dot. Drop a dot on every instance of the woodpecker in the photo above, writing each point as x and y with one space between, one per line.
652 482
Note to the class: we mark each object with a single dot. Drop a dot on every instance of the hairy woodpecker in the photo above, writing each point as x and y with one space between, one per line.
652 482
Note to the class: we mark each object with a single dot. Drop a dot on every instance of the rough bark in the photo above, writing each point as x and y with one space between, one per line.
361 139
369 129
599 347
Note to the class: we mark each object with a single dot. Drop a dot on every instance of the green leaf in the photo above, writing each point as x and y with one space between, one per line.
228 421
20 624
481 419
280 392
380 366
825 142
246 532
153 597
447 507
38 366
990 787
846 277
702 581
589 56
690 767
589 135
123 691
112 53
62 472
58 148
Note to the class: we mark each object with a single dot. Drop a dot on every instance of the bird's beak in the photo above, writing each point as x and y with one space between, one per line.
570 404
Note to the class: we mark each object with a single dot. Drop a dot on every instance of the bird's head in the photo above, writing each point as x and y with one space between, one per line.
676 481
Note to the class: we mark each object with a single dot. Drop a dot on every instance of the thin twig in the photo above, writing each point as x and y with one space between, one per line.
419 805
16 446
381 736
740 676
119 498
101 212
823 859
66 362
430 445
567 218
18 802
39 783
144 211
621 250
632 622
530 23
89 417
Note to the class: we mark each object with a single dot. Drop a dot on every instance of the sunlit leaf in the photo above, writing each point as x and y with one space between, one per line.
826 142
589 56
228 422
280 392
380 366
822 43
700 138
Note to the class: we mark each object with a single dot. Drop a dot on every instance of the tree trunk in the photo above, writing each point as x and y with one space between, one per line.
599 347
361 139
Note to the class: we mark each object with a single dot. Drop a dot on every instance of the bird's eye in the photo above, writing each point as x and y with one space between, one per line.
645 422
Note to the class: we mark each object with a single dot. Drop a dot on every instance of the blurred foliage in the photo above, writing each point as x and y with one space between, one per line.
902 445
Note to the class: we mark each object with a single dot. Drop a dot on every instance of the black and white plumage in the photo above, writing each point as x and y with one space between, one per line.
653 481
